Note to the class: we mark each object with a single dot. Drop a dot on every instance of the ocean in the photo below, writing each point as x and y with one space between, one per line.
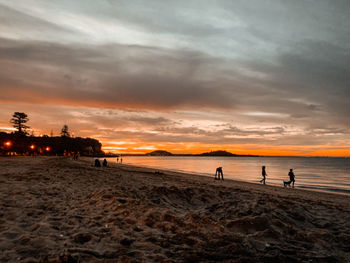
314 173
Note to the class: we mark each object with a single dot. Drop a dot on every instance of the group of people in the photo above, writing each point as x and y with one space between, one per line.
76 155
98 163
285 183
104 163
219 173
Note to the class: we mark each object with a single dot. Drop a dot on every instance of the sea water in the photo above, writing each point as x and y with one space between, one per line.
316 173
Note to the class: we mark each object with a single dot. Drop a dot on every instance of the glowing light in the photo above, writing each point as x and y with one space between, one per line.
47 149
8 144
32 147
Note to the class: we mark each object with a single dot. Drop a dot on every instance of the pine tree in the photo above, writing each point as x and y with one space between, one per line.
19 119
64 131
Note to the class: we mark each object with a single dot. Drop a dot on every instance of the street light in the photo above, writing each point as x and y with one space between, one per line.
47 148
32 147
8 144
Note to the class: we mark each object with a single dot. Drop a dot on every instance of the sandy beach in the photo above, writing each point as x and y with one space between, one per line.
54 209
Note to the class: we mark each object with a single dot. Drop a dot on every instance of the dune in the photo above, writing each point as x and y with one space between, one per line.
54 209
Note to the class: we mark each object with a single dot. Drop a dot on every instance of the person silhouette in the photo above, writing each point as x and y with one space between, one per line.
97 163
263 173
219 172
104 163
291 177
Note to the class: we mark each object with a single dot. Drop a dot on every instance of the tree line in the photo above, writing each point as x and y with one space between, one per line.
21 143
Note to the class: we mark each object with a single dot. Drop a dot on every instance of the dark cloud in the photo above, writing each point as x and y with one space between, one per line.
321 71
141 77
144 78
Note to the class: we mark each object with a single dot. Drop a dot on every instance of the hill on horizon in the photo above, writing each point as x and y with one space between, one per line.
159 153
217 153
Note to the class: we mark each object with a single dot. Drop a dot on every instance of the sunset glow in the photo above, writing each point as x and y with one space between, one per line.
249 78
238 149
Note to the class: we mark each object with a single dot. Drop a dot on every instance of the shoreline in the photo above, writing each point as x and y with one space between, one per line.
342 192
153 170
55 209
318 189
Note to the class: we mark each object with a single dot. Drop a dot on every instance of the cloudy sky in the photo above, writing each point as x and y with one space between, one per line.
258 77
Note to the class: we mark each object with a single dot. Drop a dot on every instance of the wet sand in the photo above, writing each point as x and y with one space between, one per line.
54 209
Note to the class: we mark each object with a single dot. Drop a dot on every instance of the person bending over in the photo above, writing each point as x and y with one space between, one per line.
218 173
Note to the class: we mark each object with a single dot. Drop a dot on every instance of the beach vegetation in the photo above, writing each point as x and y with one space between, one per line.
20 143
12 144
64 131
19 120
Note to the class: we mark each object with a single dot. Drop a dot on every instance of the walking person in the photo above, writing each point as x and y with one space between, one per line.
291 177
263 173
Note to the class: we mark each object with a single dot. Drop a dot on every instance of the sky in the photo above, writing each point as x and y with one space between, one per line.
250 77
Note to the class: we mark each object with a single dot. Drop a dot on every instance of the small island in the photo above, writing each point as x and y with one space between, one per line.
217 153
159 153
